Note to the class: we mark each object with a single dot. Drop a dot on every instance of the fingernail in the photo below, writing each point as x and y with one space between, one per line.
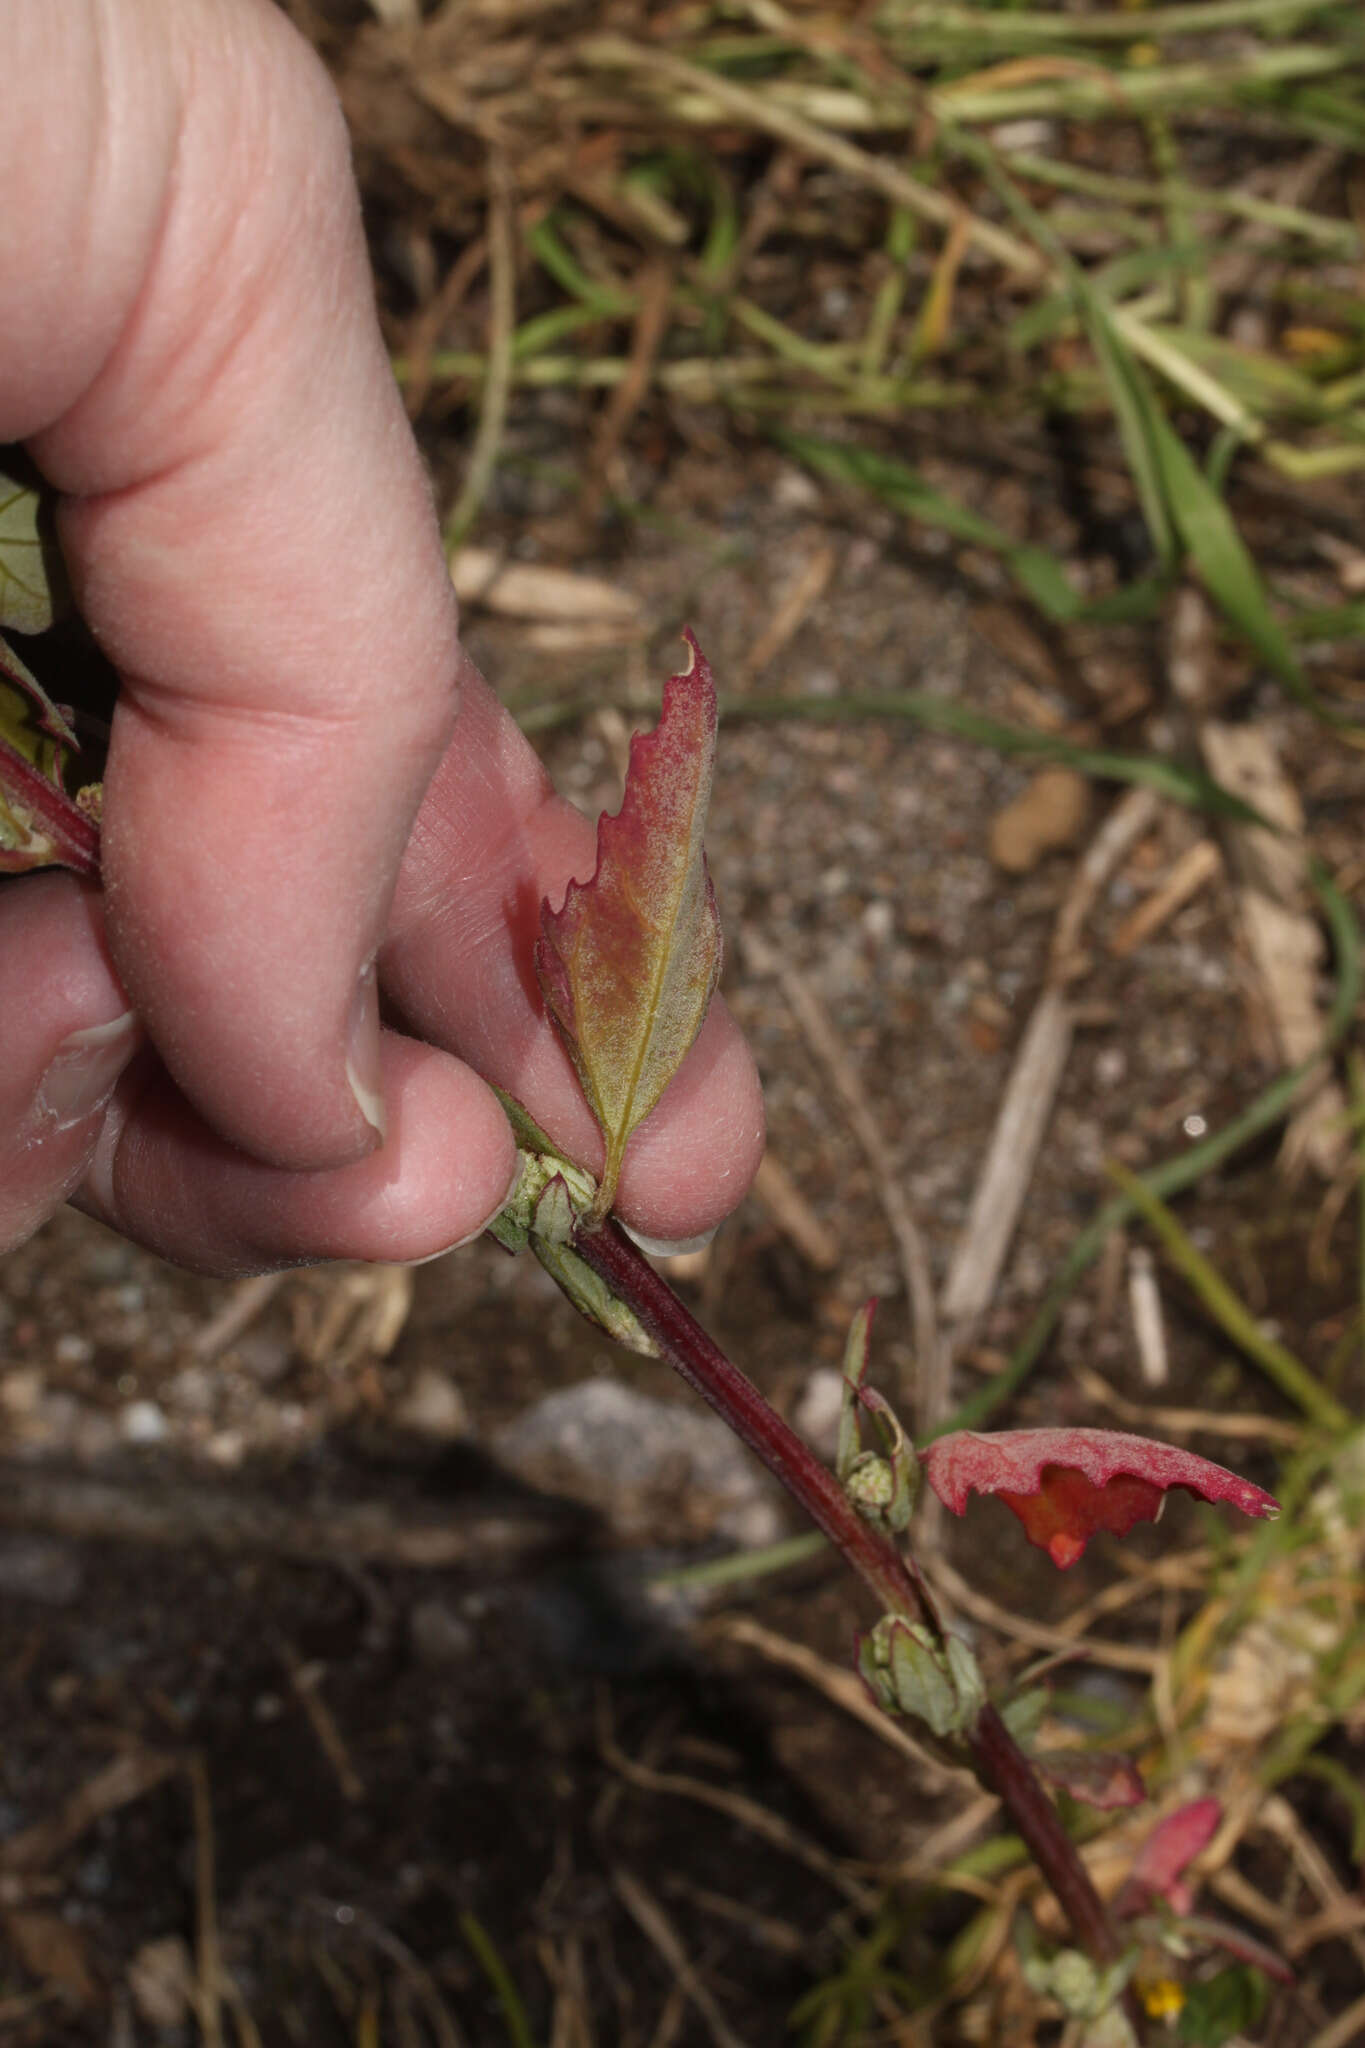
84 1069
669 1248
362 1052
471 1235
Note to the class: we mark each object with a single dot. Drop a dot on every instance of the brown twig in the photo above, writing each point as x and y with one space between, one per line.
207 1959
811 582
306 1680
654 292
659 1931
425 331
744 1812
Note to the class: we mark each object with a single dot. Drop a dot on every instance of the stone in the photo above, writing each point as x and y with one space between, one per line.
143 1422
1047 816
818 1411
433 1407
658 1470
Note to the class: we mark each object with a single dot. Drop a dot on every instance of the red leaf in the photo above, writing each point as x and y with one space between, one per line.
1161 1861
629 965
1065 1485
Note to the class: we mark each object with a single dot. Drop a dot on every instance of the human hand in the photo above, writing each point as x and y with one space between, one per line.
306 776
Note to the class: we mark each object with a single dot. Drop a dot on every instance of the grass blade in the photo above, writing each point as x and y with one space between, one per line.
1038 575
1231 1314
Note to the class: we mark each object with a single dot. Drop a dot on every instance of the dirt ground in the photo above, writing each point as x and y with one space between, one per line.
312 1669
386 1747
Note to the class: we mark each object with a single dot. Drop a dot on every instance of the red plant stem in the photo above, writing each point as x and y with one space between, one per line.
999 1761
702 1363
1002 1765
74 837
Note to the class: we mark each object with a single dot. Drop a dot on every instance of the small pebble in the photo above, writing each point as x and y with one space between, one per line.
21 1390
818 1410
161 1980
143 1422
434 1407
1048 815
879 920
192 1390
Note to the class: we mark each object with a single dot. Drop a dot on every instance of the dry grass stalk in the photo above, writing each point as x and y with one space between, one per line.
341 1314
652 1921
764 1928
1187 875
306 1681
1020 1125
424 331
654 292
1026 1106
770 116
571 2025
129 1776
208 1962
502 321
928 1393
808 586
841 1686
1345 2030
1282 935
487 580
1154 1421
745 1812
1039 1635
1149 1324
785 1206
246 1300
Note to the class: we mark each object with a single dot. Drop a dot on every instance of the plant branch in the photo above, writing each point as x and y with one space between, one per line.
73 837
892 1578
1003 1766
702 1363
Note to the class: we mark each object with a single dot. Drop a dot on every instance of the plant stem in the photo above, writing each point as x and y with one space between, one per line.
1006 1770
893 1580
702 1363
73 838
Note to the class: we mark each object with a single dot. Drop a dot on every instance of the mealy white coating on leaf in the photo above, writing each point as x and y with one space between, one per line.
1015 1460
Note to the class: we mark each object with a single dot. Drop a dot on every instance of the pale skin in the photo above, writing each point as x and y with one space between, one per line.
307 774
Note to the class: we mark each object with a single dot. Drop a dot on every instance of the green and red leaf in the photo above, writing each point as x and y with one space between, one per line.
1066 1485
1159 1873
27 558
1099 1778
628 966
